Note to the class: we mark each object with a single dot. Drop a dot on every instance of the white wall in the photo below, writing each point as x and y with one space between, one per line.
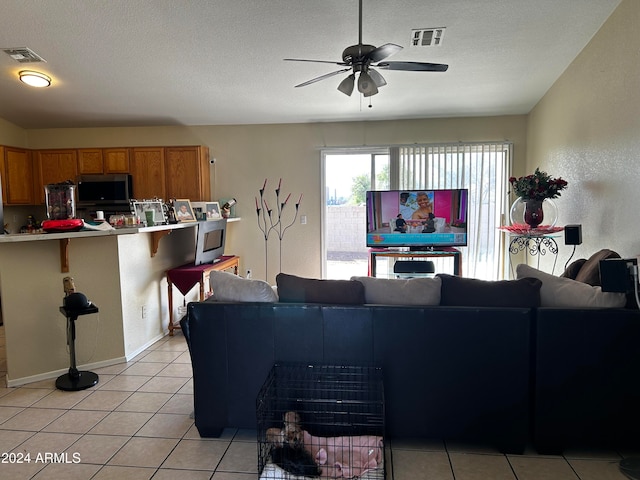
587 130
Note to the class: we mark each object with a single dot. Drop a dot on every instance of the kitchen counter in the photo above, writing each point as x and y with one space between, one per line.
122 271
30 237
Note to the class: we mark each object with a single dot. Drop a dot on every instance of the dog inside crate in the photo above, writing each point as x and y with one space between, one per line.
321 422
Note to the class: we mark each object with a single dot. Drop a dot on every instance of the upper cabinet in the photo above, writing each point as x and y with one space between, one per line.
147 170
103 160
187 173
116 160
55 166
157 172
17 176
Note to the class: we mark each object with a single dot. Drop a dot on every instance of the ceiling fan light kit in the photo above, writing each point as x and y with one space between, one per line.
346 85
361 58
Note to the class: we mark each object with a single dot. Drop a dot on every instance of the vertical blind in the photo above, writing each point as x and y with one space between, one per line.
483 168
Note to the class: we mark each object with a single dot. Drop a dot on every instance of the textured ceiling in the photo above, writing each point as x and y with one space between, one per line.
211 62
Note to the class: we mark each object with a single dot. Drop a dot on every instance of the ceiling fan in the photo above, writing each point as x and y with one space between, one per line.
361 59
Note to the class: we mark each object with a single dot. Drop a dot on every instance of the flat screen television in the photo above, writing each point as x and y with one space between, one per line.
418 219
210 240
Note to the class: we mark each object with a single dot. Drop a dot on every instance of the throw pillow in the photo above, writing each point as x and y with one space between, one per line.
293 289
413 291
564 292
590 271
574 268
228 287
471 292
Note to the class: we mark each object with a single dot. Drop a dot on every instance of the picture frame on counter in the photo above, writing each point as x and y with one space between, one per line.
212 210
184 210
139 207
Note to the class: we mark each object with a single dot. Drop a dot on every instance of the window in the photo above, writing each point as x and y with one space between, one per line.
483 168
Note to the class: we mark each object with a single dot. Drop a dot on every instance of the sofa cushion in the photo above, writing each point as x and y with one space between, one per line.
293 289
590 272
412 291
564 292
471 292
228 287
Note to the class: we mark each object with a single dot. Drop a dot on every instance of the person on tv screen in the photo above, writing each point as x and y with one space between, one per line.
429 224
401 224
405 205
424 207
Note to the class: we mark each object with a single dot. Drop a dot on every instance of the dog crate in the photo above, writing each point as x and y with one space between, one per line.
318 416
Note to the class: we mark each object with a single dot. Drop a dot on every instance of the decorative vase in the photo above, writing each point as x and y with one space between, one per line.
534 213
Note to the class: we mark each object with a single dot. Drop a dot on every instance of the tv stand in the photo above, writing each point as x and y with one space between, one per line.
411 254
423 249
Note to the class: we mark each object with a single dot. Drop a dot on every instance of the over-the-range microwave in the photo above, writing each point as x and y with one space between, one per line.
104 190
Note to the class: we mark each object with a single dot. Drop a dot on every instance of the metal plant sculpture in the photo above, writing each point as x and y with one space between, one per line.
272 221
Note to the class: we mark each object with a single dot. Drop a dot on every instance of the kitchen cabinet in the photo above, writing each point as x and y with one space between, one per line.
157 172
17 176
90 161
103 160
187 173
116 160
148 173
55 166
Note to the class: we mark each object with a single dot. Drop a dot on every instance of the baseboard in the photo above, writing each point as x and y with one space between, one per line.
17 382
141 349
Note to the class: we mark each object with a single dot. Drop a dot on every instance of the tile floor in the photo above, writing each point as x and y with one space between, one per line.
135 425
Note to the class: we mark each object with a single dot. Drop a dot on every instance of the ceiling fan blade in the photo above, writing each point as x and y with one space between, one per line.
346 85
322 77
383 52
314 61
413 66
377 78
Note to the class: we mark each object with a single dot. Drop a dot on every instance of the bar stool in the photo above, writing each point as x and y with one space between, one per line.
75 380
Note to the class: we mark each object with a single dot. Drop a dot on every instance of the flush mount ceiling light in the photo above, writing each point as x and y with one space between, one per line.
35 79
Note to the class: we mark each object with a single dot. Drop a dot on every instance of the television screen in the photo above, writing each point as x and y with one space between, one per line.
210 241
419 219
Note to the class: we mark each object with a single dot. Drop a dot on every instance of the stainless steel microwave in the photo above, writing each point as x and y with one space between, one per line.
104 190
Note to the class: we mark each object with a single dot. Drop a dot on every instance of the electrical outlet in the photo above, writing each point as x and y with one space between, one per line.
303 219
144 311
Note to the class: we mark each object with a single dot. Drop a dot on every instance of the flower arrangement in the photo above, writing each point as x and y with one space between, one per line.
538 186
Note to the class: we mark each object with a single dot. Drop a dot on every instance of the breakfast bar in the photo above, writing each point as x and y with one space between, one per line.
123 270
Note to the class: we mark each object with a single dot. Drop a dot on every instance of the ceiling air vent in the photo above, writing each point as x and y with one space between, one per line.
427 37
23 55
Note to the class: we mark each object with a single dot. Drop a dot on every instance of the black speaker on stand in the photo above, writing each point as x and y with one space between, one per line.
572 236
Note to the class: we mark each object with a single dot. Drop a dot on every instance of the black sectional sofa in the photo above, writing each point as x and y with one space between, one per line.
507 376
453 373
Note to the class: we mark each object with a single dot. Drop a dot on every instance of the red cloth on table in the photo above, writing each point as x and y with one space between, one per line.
186 276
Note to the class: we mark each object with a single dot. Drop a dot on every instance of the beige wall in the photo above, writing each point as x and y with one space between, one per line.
247 154
12 135
587 130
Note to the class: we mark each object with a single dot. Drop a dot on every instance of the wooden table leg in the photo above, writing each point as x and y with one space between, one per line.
170 297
